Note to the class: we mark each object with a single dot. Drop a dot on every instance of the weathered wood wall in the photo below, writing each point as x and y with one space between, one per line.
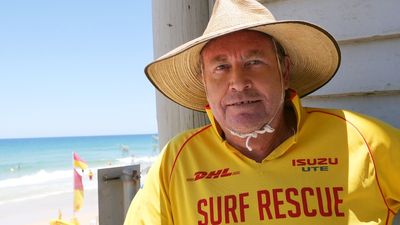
368 32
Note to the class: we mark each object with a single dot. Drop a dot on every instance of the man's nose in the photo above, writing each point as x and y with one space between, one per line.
239 80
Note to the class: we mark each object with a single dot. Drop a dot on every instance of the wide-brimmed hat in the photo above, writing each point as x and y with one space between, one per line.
313 52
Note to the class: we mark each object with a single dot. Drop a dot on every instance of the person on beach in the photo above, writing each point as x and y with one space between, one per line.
265 159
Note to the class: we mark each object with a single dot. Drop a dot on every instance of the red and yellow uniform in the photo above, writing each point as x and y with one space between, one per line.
339 168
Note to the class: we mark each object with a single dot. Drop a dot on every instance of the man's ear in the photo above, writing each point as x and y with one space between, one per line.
286 72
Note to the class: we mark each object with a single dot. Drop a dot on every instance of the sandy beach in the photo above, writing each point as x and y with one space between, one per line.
40 211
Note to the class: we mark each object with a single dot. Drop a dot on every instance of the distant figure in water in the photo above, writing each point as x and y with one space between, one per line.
18 167
124 148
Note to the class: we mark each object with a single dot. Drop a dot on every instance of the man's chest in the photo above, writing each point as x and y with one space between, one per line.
312 181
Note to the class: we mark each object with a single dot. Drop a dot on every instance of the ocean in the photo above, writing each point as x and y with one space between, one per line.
38 167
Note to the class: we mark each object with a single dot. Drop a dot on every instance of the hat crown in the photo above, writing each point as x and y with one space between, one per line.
228 14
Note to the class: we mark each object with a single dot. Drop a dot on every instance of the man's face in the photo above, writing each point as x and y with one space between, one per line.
242 80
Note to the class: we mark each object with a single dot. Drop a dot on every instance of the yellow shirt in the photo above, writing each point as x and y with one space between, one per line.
339 168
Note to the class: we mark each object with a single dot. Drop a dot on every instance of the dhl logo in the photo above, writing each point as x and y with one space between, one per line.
214 174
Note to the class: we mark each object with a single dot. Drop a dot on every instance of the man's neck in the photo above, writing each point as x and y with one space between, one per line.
264 144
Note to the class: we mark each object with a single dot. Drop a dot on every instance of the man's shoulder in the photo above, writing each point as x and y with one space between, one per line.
188 136
177 146
368 126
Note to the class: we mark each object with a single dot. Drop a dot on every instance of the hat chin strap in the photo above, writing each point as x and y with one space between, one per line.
267 127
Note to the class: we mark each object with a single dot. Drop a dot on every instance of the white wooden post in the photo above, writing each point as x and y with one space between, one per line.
174 23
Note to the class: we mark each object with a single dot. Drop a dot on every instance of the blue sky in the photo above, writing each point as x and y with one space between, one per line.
71 68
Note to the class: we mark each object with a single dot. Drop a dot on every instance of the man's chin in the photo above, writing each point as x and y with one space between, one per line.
244 130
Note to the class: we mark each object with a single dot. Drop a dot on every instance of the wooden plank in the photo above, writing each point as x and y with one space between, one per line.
174 23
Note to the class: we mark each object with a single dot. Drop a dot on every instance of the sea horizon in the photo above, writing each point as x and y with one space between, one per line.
72 136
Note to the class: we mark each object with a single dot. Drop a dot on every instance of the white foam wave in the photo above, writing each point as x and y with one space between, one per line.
136 160
40 177
37 196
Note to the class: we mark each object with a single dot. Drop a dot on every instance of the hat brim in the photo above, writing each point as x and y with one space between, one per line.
313 52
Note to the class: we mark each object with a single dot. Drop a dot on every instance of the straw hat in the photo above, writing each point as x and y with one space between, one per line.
314 53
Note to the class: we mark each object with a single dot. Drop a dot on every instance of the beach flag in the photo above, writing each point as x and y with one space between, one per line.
79 163
64 222
78 191
60 221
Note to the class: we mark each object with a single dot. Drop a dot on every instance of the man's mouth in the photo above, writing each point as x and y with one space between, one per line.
242 103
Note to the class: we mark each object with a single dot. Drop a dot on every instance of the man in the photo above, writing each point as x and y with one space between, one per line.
265 159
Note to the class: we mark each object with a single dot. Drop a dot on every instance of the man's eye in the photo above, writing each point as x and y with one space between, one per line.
253 62
221 67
